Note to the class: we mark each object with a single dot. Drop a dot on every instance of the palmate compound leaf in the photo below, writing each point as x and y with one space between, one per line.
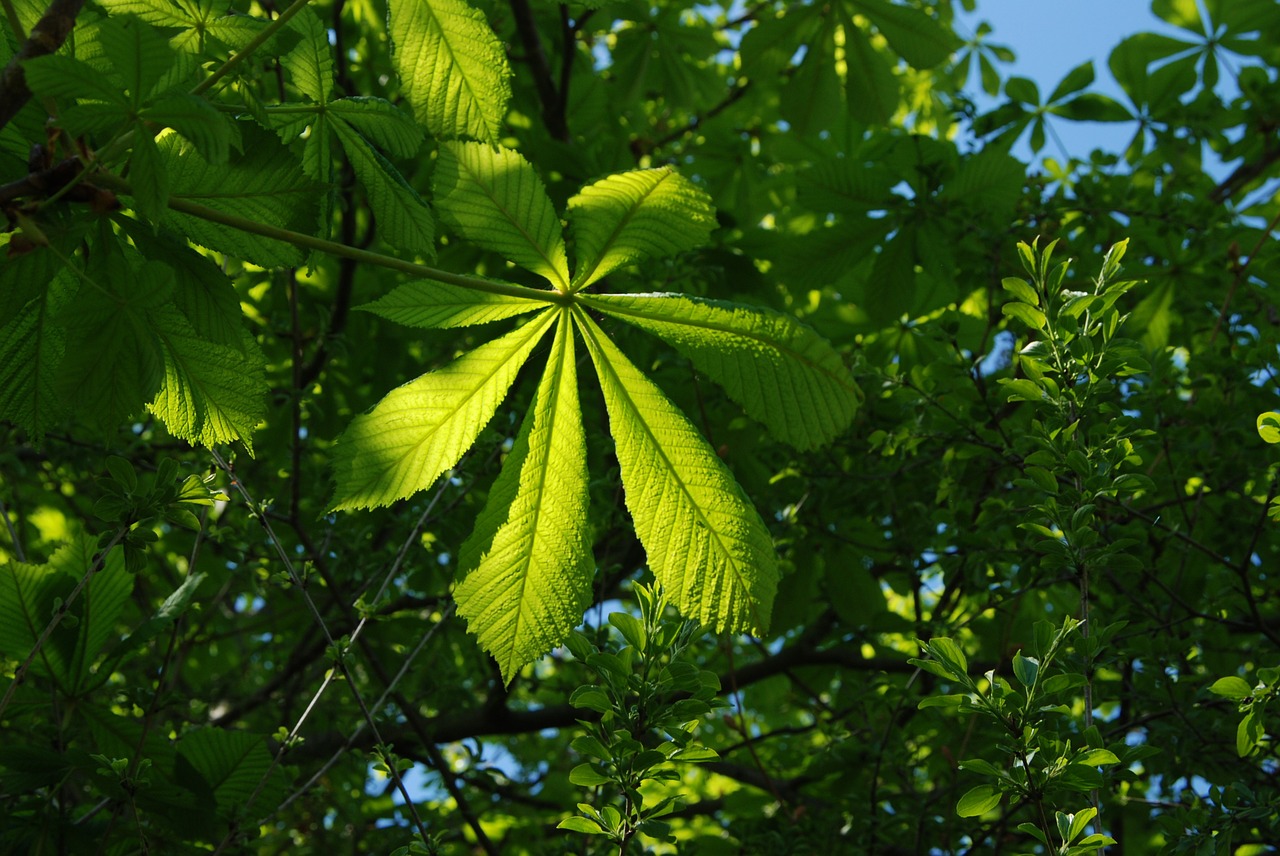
705 542
645 213
493 197
420 429
436 305
782 373
453 69
527 566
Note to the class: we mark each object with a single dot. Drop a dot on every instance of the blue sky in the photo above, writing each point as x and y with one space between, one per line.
1051 37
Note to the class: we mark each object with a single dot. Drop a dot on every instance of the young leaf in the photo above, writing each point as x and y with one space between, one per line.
645 213
528 564
420 429
435 305
780 371
978 801
452 67
705 542
404 220
494 198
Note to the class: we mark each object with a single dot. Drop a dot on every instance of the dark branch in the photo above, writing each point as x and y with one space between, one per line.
46 37
552 105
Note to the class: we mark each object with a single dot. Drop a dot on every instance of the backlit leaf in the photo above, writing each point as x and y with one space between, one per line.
705 542
780 371
528 564
437 305
493 197
420 429
629 216
404 220
452 67
211 393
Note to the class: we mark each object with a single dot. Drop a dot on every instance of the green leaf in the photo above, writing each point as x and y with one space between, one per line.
528 567
1269 426
920 39
1025 313
1021 290
233 764
310 63
388 126
264 185
453 69
197 120
978 801
149 180
581 824
1079 822
590 698
1025 669
1231 687
420 429
137 54
62 76
201 291
116 366
646 213
585 775
949 653
32 346
992 180
159 13
492 196
1097 758
1022 389
29 593
706 544
436 305
1248 733
404 220
212 393
780 371
871 89
1076 79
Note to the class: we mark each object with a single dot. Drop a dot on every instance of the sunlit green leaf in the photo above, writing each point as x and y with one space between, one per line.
780 371
527 568
420 429
705 542
647 213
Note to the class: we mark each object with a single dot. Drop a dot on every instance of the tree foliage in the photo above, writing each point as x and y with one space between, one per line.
508 427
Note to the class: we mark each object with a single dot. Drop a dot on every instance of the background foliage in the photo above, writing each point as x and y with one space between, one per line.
998 521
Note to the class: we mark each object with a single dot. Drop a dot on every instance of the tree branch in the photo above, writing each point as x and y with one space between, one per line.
46 37
552 108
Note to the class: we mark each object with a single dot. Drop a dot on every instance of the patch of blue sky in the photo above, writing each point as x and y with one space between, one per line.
1050 39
